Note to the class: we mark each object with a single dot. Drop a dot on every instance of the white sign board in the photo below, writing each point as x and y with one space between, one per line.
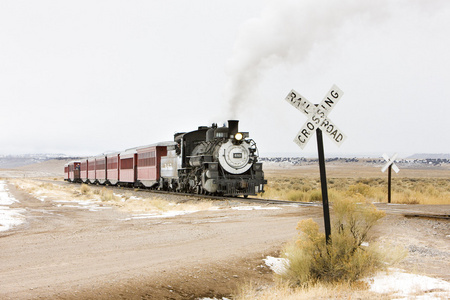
390 161
317 116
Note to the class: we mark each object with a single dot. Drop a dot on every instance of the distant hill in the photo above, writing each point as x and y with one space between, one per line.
51 167
15 161
429 155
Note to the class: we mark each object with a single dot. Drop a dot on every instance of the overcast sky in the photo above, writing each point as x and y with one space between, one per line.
84 77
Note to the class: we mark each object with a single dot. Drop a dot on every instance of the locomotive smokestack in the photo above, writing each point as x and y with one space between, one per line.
233 127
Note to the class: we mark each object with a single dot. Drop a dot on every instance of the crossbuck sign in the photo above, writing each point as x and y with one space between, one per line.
317 116
390 162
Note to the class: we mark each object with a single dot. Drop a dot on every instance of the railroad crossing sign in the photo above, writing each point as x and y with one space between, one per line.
390 163
317 121
317 116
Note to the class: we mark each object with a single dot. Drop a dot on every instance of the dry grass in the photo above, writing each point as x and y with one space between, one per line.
282 290
85 189
125 201
404 190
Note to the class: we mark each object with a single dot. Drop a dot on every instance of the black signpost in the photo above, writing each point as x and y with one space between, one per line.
323 184
318 121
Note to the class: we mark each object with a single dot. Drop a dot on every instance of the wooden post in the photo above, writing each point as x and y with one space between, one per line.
389 183
323 183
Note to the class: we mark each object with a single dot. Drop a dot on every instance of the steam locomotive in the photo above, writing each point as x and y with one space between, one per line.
210 160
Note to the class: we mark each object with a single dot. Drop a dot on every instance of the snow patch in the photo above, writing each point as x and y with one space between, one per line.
9 217
167 214
86 204
408 285
277 265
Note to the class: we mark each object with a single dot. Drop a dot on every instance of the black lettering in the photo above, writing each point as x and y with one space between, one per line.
334 94
310 126
300 139
293 96
305 133
333 134
320 113
300 103
330 128
325 123
315 119
339 138
329 101
306 109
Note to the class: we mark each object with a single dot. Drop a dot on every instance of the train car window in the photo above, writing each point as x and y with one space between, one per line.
147 159
126 163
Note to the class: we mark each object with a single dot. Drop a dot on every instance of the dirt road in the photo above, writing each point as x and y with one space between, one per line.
68 252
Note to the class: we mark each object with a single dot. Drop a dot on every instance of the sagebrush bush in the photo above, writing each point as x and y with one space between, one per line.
296 196
344 258
360 188
108 195
85 189
315 195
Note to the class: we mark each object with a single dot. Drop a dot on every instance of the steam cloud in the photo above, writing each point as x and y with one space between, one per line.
286 32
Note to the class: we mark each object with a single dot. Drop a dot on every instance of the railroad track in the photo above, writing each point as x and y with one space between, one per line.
405 212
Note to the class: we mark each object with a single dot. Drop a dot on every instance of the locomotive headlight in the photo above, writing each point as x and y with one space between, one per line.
238 136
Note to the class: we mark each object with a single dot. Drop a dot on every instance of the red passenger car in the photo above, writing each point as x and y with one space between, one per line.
66 172
127 167
74 171
84 170
112 168
91 170
149 163
100 169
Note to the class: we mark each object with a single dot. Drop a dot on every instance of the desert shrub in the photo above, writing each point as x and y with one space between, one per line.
432 191
85 189
46 185
360 188
108 195
407 197
296 196
315 196
364 181
344 258
306 187
297 186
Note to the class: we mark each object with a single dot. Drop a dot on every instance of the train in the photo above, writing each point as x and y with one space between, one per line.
211 160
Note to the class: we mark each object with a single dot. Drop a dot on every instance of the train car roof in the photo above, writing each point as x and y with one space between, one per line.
160 144
128 153
109 154
72 162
